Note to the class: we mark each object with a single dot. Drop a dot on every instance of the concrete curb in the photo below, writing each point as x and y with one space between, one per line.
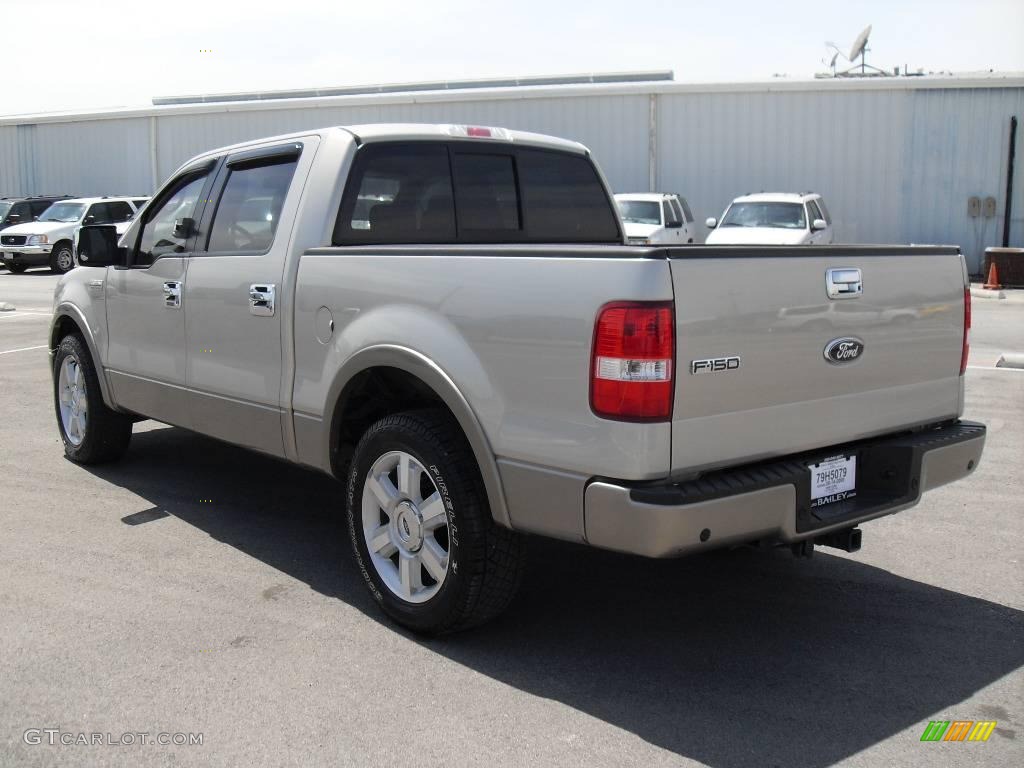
985 293
1010 360
6 307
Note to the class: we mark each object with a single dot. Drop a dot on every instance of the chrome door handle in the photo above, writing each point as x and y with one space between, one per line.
261 299
172 294
843 283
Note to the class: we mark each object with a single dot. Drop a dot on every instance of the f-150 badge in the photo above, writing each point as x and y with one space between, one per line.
714 365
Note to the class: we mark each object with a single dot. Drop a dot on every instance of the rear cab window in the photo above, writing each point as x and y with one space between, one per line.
458 192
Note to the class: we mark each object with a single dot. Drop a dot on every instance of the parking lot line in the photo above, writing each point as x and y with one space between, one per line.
993 368
22 312
22 349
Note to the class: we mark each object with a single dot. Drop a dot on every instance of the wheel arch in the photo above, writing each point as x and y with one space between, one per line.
408 380
69 319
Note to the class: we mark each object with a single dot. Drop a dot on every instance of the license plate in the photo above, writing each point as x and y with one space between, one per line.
833 479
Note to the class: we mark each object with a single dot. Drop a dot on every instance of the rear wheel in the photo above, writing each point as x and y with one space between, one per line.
421 527
61 258
92 432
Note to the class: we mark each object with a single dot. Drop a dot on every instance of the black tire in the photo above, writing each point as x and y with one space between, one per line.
107 432
16 269
485 561
62 252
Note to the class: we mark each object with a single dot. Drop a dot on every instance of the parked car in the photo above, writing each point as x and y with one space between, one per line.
773 218
16 210
485 358
49 240
656 218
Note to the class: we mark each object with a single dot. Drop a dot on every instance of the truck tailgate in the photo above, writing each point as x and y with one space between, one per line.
769 308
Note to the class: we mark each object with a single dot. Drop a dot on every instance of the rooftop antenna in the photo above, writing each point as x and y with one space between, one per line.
860 48
835 56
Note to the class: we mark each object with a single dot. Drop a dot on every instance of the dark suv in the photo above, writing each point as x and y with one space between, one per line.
19 210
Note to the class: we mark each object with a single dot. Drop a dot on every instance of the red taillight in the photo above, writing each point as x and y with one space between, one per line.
633 361
967 331
478 132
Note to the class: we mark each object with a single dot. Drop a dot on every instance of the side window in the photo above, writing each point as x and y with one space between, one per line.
399 193
812 212
564 200
824 210
36 209
668 213
674 203
119 211
139 203
158 236
686 209
98 213
23 211
250 206
485 195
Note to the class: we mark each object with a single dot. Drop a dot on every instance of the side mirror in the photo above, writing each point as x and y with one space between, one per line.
673 224
184 228
14 218
711 222
97 247
90 219
818 224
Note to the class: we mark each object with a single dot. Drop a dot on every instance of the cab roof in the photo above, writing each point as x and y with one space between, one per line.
374 132
90 200
652 197
777 197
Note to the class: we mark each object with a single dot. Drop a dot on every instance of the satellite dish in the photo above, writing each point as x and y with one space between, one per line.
860 43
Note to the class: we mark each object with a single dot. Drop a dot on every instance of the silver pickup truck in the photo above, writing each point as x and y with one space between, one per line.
446 319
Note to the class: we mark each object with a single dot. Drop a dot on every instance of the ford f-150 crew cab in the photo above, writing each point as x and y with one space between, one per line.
447 319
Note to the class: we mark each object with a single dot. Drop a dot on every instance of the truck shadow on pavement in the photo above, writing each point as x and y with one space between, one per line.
734 659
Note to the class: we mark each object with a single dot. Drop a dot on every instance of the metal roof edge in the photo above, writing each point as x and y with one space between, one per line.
528 92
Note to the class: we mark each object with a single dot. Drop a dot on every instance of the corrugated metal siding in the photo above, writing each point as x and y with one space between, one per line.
847 146
97 157
11 183
956 147
895 165
614 127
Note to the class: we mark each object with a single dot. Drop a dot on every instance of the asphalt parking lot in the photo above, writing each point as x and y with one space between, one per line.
198 588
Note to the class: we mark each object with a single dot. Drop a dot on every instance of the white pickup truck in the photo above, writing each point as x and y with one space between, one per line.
447 320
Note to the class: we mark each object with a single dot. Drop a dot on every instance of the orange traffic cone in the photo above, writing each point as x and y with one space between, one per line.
993 277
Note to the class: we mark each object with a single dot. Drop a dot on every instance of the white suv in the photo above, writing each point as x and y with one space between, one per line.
773 218
656 218
49 240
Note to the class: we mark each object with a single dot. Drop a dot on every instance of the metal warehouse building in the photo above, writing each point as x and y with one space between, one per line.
896 158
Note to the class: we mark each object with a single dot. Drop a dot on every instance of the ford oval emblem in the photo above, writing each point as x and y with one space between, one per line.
846 350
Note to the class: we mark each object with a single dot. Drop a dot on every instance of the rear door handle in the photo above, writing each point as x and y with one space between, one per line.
261 299
172 294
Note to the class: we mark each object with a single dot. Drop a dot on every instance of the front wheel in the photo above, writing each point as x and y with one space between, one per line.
61 259
421 527
92 432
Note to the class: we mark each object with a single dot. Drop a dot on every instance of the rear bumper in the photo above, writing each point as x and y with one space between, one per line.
770 501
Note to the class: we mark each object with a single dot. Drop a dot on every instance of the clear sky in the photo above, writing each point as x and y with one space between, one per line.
81 54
